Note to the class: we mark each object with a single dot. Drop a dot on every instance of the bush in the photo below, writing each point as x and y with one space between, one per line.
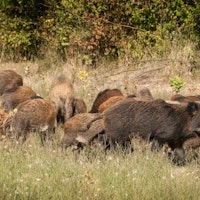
177 83
93 28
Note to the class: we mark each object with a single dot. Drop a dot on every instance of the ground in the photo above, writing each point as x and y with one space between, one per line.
129 77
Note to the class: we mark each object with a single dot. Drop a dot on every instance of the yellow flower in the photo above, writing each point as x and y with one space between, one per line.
83 75
26 70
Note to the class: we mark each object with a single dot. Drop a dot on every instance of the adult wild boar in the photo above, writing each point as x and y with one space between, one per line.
79 106
35 115
184 99
9 79
192 147
3 117
154 121
192 143
110 102
103 96
61 96
145 93
113 100
12 98
81 129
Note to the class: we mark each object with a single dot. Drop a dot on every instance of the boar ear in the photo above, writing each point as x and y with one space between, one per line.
192 107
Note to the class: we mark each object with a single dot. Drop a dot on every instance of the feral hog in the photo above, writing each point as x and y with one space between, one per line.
103 96
192 147
184 99
61 96
145 93
35 115
81 129
9 79
153 120
12 98
192 143
79 106
110 102
3 118
113 100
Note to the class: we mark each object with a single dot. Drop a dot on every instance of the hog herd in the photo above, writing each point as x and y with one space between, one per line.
113 121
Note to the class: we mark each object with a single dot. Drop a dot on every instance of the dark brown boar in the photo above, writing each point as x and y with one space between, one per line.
145 93
192 147
192 143
103 96
113 100
153 120
35 115
81 129
12 98
9 79
184 99
110 102
3 118
79 106
61 96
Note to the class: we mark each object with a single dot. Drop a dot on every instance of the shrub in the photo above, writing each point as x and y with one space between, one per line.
94 28
177 83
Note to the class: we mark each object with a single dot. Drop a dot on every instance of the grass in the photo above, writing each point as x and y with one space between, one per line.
45 172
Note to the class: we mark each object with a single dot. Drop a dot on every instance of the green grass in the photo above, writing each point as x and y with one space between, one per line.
36 172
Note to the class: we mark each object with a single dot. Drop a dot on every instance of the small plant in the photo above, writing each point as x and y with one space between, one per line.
176 83
87 60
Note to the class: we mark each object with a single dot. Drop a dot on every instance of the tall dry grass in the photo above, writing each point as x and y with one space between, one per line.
45 172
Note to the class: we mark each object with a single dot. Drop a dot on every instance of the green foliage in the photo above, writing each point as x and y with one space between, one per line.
177 83
94 28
